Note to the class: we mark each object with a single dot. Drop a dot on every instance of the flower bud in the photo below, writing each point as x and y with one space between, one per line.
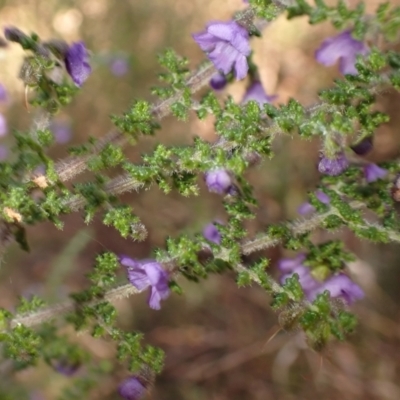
363 147
218 181
333 166
14 34
131 388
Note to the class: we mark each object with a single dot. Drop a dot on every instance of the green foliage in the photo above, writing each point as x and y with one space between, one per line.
346 115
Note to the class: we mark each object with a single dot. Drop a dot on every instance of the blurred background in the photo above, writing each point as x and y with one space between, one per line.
216 337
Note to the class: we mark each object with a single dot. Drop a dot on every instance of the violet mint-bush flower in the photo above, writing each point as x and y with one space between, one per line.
257 93
3 125
338 285
132 388
227 46
148 273
211 233
363 147
343 48
307 208
3 93
77 63
218 181
373 172
218 81
333 166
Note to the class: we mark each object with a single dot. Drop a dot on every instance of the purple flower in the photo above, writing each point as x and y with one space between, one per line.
119 66
3 93
307 208
218 181
363 147
3 152
333 166
65 366
77 63
132 388
342 286
227 46
339 285
14 34
3 125
257 93
218 81
211 233
290 264
62 131
372 172
148 273
343 48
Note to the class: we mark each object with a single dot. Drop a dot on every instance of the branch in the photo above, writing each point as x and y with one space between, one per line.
48 313
262 242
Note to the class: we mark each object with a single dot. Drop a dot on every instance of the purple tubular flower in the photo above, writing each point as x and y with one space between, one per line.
333 166
343 48
76 62
341 286
257 93
227 46
372 172
307 208
3 93
218 181
62 131
3 152
132 388
290 264
148 273
211 233
119 66
14 34
363 147
218 81
65 367
3 125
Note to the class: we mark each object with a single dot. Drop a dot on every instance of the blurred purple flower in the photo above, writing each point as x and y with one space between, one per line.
218 81
65 366
3 152
211 233
218 181
372 172
77 63
290 264
333 166
3 93
148 273
14 34
307 208
3 125
363 147
342 286
227 46
119 66
132 388
61 130
344 48
257 93
339 285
